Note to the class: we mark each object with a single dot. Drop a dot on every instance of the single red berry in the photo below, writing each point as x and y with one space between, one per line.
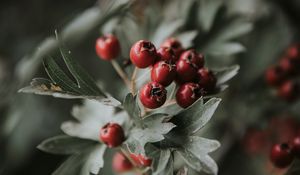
112 134
194 58
174 44
167 54
143 54
120 163
153 95
108 47
293 52
289 90
187 94
141 160
287 66
281 155
206 79
185 72
295 145
274 76
163 73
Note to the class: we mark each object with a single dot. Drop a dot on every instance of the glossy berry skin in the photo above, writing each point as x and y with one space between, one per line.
194 58
107 47
112 134
167 54
174 44
163 73
206 79
143 54
281 155
295 146
141 160
185 72
274 76
289 91
153 95
187 94
120 163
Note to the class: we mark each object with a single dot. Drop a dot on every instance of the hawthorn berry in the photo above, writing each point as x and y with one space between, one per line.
289 90
281 155
107 47
163 73
120 163
287 66
141 160
274 76
295 146
112 134
174 44
194 58
153 95
185 72
187 94
143 54
293 52
206 79
167 54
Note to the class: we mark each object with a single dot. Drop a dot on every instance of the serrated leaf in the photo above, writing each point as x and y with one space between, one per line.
163 161
153 130
193 118
190 160
207 12
131 106
225 74
64 145
228 48
94 161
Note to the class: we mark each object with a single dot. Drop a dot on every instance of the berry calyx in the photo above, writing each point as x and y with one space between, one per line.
193 58
143 54
186 72
274 76
120 163
112 134
141 160
107 47
174 44
289 90
167 54
187 94
206 79
163 73
153 95
281 155
295 146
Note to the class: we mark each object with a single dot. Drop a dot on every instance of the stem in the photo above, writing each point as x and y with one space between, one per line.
121 73
133 83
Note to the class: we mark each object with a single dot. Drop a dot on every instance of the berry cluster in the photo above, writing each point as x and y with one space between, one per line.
283 75
172 63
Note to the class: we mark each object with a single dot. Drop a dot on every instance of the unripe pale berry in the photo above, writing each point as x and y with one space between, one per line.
112 134
153 95
143 54
107 47
163 73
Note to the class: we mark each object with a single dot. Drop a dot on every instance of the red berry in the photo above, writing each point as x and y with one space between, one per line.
163 73
143 54
174 44
283 129
112 134
289 91
141 160
167 54
187 94
206 79
120 163
153 95
194 58
274 76
281 155
293 52
295 145
185 72
288 66
107 47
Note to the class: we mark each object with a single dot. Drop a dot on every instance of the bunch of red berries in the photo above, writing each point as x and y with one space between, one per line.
283 76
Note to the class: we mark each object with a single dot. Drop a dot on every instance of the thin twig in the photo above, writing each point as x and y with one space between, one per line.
121 73
133 83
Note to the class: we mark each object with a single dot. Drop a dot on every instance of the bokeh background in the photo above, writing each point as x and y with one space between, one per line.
26 120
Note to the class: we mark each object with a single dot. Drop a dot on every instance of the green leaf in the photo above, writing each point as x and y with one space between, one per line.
186 38
154 128
193 118
225 74
64 145
131 106
207 12
163 161
225 49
